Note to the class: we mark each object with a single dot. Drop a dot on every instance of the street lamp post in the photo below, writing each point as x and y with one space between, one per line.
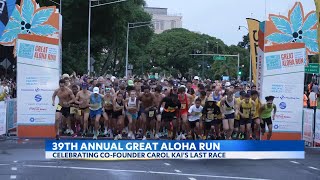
89 26
250 69
132 26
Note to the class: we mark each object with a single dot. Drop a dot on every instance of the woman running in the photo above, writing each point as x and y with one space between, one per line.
118 115
132 106
108 110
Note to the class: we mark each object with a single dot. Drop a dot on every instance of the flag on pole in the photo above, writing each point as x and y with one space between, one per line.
253 26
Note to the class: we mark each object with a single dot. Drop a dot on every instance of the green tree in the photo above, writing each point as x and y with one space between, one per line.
108 34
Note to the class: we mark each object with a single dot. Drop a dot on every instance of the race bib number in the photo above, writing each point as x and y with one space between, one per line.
151 114
229 108
79 112
198 113
183 106
246 113
73 110
59 108
211 116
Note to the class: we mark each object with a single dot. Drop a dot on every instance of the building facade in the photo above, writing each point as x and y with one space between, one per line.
162 20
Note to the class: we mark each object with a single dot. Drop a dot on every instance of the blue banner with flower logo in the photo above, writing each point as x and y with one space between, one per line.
6 9
28 18
297 27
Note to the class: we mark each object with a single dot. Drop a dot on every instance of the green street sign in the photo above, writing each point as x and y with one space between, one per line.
219 58
312 68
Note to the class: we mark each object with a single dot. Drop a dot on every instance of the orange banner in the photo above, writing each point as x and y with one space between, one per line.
253 26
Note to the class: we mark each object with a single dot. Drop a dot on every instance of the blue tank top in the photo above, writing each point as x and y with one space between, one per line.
217 98
96 100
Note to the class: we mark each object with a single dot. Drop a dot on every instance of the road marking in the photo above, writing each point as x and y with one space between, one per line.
167 164
14 168
15 161
294 162
191 178
4 164
178 171
146 172
13 177
313 168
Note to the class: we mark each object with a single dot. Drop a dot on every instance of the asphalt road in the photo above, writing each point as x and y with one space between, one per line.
24 159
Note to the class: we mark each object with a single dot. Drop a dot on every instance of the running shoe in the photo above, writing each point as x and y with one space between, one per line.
57 137
144 138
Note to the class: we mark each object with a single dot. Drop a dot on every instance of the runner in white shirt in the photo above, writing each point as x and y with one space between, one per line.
195 113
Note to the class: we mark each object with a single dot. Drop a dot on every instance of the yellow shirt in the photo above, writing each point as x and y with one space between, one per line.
238 101
257 105
247 108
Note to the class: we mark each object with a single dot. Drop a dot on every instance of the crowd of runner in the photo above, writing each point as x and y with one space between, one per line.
166 109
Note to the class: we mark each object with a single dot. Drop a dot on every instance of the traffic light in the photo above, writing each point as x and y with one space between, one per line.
240 71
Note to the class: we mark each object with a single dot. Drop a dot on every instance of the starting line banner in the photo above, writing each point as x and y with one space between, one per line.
127 150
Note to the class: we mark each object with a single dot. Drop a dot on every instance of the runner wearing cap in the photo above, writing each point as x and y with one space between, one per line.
195 84
210 113
83 99
96 110
266 115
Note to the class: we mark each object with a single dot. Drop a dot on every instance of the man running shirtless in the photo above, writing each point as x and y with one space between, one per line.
148 111
83 99
158 99
66 97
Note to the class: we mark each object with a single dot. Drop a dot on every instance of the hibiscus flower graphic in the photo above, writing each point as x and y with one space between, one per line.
28 19
296 28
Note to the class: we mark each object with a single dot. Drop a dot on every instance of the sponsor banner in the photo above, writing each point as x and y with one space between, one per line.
260 70
285 81
3 120
308 115
317 128
37 85
254 26
12 113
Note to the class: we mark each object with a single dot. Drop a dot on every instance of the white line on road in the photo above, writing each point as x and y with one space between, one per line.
313 168
147 172
13 177
4 164
167 164
178 171
14 168
294 162
15 161
191 178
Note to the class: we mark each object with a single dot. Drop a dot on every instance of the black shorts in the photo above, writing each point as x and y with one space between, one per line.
109 112
65 111
217 121
193 123
245 121
167 117
264 121
207 125
116 114
236 123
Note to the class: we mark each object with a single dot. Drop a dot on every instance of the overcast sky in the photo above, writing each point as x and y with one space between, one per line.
221 18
